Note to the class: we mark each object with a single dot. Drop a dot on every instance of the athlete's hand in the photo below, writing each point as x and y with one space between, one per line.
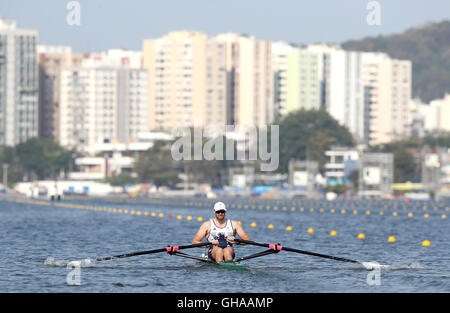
230 239
214 242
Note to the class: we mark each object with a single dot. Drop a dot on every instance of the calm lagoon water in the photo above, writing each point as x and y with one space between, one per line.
33 232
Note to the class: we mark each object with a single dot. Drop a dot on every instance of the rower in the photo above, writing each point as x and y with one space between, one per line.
220 231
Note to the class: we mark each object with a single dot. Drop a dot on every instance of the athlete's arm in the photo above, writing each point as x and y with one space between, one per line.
201 233
240 231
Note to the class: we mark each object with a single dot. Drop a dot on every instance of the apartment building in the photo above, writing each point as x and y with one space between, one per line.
249 66
187 81
102 102
387 87
18 83
297 78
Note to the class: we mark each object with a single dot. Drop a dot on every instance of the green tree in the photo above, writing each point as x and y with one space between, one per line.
8 156
41 159
404 165
156 165
307 134
120 180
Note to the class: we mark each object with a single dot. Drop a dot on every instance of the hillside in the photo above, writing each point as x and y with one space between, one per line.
427 46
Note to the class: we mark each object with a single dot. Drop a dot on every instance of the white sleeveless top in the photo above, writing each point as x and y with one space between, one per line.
215 231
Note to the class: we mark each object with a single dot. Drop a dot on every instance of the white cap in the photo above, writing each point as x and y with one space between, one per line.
219 206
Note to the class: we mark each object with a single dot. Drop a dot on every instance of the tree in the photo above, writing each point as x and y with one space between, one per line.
8 156
156 165
404 166
307 134
42 159
120 180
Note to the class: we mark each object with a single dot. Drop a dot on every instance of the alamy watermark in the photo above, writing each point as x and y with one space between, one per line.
74 15
74 276
374 16
374 277
252 140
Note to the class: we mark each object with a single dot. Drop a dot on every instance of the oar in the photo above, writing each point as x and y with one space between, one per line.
169 249
174 248
278 247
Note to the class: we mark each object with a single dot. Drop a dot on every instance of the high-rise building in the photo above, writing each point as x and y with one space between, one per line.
18 83
342 91
251 81
297 78
369 93
102 102
187 80
280 54
52 59
387 87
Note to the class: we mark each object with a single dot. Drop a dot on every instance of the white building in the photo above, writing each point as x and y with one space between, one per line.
280 54
340 162
249 66
102 102
115 157
342 91
19 83
432 117
387 84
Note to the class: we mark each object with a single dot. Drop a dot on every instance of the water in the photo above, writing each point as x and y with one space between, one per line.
32 233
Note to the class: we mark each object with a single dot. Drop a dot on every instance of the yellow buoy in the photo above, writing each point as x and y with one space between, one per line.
138 213
200 219
270 226
355 212
239 222
189 218
310 230
153 214
391 239
289 228
426 215
368 212
343 211
125 211
179 217
332 210
410 214
444 216
160 214
426 243
253 224
361 236
333 233
381 213
394 214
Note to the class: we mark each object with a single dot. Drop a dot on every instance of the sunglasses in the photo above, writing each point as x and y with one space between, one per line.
220 212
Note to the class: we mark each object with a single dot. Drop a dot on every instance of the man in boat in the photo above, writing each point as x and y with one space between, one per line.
220 231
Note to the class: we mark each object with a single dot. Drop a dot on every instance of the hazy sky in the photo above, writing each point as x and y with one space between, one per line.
124 24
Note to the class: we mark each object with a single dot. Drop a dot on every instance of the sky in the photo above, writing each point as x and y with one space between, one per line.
105 24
